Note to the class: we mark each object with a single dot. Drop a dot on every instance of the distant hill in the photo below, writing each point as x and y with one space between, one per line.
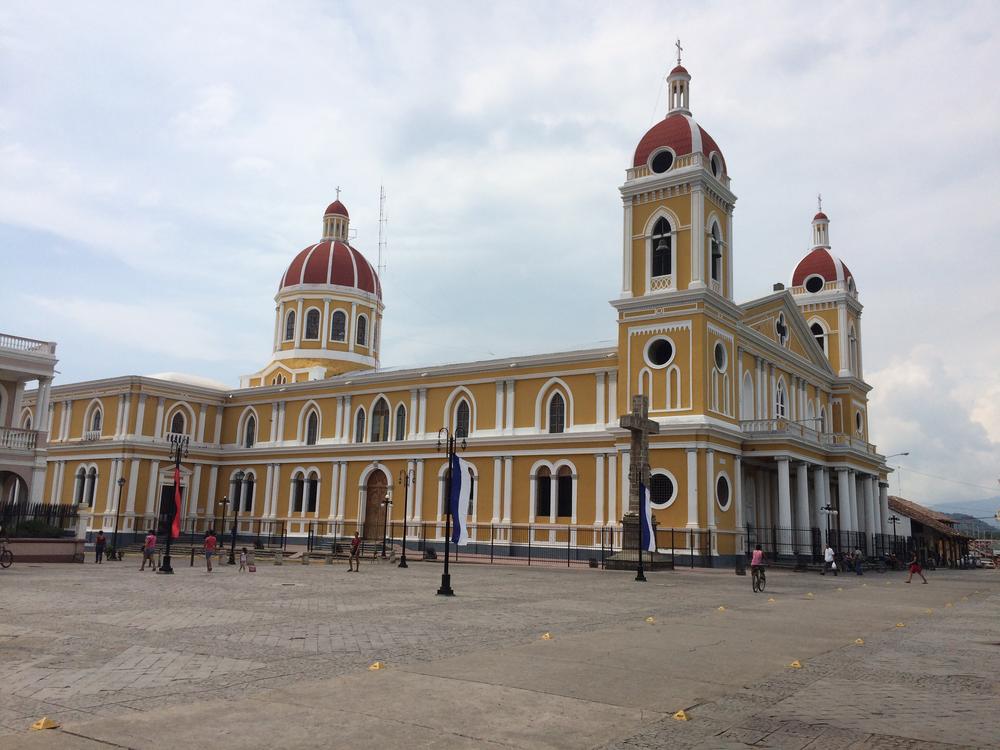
974 527
984 510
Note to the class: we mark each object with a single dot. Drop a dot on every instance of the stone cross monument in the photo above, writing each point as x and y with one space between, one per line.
641 427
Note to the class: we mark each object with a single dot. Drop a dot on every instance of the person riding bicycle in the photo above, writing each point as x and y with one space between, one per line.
757 560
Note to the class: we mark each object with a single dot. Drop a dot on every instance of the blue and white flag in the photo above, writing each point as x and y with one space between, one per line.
461 494
648 540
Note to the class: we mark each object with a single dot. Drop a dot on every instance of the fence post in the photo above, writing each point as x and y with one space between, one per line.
529 543
491 544
568 538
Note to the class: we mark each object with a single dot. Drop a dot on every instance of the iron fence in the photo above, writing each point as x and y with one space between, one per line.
29 518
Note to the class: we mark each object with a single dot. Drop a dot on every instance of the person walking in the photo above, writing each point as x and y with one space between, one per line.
243 560
859 561
915 568
99 544
354 561
148 550
828 562
210 543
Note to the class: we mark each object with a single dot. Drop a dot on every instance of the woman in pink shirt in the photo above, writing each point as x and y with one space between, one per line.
210 542
757 568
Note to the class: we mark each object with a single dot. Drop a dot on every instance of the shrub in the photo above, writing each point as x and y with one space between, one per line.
36 528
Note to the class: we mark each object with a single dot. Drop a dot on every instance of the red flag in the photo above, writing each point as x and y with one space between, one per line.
175 529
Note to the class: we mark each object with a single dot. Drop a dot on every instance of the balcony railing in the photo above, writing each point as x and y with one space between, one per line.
90 435
17 440
788 428
19 344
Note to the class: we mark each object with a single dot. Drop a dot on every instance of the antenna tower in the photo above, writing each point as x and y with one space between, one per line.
382 235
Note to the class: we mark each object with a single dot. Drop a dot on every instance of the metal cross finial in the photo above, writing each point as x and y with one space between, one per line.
679 50
819 201
338 192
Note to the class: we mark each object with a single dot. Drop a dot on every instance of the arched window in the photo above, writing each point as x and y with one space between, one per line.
26 422
95 420
250 432
462 419
91 487
248 484
81 484
852 350
290 325
819 334
746 397
780 401
543 493
362 337
298 491
380 421
278 379
660 253
716 245
312 428
564 491
400 422
359 427
557 413
312 324
177 423
312 491
338 326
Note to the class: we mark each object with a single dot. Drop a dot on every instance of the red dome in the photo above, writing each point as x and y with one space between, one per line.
337 208
331 262
821 217
680 133
679 69
823 263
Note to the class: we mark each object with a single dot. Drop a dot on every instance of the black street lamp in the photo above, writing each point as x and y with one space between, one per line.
237 499
178 450
894 519
406 476
830 512
118 513
386 504
450 447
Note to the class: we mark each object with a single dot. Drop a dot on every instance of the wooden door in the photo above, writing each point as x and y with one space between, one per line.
375 495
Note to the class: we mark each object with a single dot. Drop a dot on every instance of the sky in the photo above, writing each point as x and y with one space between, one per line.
161 164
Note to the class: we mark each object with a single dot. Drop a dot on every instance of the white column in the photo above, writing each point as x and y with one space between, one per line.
599 488
819 496
201 424
710 488
278 315
852 488
352 334
217 436
760 499
119 415
57 484
281 422
113 475
758 411
274 421
498 421
738 491
48 421
152 491
508 487
626 495
612 482
553 496
497 484
125 431
844 500
275 490
347 419
627 247
692 487
342 491
334 486
158 427
133 482
298 325
697 240
324 335
729 260
509 429
883 501
784 508
613 397
41 404
418 496
802 507
423 413
191 501
876 506
600 419
140 414
411 431
868 498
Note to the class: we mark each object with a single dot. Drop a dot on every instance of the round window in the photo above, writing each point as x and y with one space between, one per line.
662 162
662 490
814 284
858 422
659 352
721 356
722 491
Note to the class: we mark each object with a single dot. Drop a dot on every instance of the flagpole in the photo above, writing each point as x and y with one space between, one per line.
178 450
450 449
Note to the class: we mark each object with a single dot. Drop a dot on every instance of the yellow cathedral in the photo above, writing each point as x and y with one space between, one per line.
761 405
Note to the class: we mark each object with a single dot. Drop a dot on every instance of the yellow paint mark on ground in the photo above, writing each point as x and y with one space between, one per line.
681 716
546 636
796 664
376 666
44 723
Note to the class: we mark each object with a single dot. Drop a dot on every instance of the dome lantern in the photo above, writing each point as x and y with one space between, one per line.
679 86
336 220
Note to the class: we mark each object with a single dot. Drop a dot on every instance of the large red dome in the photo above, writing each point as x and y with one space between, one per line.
681 134
333 263
821 262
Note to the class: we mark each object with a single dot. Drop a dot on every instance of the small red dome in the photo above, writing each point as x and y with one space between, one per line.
331 262
680 133
821 217
337 208
679 69
821 262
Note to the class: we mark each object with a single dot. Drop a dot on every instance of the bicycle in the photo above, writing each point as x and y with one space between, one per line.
759 579
6 556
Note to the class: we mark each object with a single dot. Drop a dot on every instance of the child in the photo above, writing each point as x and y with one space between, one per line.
243 560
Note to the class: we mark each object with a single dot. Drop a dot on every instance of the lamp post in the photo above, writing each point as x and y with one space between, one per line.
237 499
830 512
118 513
406 476
894 519
899 476
386 504
450 447
178 450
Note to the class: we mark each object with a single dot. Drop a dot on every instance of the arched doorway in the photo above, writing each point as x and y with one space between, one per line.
13 489
375 489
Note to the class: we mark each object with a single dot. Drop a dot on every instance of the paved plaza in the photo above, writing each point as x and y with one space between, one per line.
280 658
